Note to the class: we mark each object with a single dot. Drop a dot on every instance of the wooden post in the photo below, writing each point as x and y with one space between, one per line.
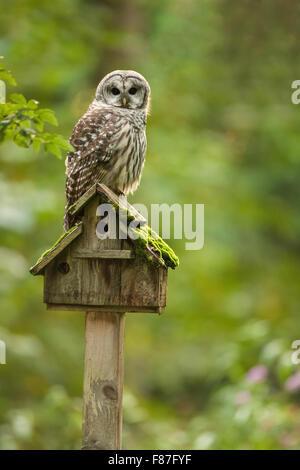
103 380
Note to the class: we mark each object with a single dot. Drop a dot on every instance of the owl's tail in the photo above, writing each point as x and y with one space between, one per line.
69 220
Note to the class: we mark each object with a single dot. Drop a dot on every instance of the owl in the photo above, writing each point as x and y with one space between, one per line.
109 140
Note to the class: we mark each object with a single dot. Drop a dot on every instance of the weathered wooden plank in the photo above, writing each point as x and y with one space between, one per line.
83 200
104 254
100 277
163 283
63 278
104 308
139 283
108 195
103 381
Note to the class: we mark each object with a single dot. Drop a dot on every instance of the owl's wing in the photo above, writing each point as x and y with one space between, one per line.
93 141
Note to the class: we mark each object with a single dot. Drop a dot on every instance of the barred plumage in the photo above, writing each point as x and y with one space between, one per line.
109 140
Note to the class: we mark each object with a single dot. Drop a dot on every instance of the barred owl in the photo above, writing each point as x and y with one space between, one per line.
109 140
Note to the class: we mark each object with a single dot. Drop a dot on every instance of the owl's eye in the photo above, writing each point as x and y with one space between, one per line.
115 91
132 91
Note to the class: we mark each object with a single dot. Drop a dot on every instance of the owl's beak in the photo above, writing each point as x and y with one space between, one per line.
124 101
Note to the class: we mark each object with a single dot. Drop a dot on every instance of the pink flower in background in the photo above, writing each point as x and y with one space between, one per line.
242 398
286 440
293 382
257 374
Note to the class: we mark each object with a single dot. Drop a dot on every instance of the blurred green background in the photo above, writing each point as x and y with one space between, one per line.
215 371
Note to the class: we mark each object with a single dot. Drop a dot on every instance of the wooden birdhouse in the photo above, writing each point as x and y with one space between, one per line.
108 264
90 270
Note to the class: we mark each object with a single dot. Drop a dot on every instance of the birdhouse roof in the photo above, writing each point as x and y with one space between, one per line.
146 242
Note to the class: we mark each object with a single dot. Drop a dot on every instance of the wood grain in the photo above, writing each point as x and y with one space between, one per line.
103 381
104 308
104 254
100 277
107 195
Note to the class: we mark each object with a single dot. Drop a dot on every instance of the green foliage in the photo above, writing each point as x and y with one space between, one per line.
23 122
6 76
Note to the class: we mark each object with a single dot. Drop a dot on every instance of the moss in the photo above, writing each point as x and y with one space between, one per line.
146 237
56 243
124 212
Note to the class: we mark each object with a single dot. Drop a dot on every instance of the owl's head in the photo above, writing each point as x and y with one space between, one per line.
124 88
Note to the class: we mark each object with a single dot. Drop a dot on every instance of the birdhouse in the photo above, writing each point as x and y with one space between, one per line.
111 262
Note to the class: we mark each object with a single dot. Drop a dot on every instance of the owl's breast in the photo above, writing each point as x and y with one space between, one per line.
128 155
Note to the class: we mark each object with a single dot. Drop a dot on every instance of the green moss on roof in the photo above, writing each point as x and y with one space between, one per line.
147 237
124 212
144 236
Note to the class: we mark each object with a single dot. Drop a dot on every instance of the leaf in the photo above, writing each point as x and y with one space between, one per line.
32 104
21 141
31 114
25 123
25 133
53 148
62 142
47 115
36 144
38 124
17 117
7 77
18 98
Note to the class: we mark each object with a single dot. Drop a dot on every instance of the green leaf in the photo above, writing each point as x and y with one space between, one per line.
47 115
32 104
17 117
36 144
7 77
38 124
18 98
62 142
31 114
25 123
53 149
21 141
